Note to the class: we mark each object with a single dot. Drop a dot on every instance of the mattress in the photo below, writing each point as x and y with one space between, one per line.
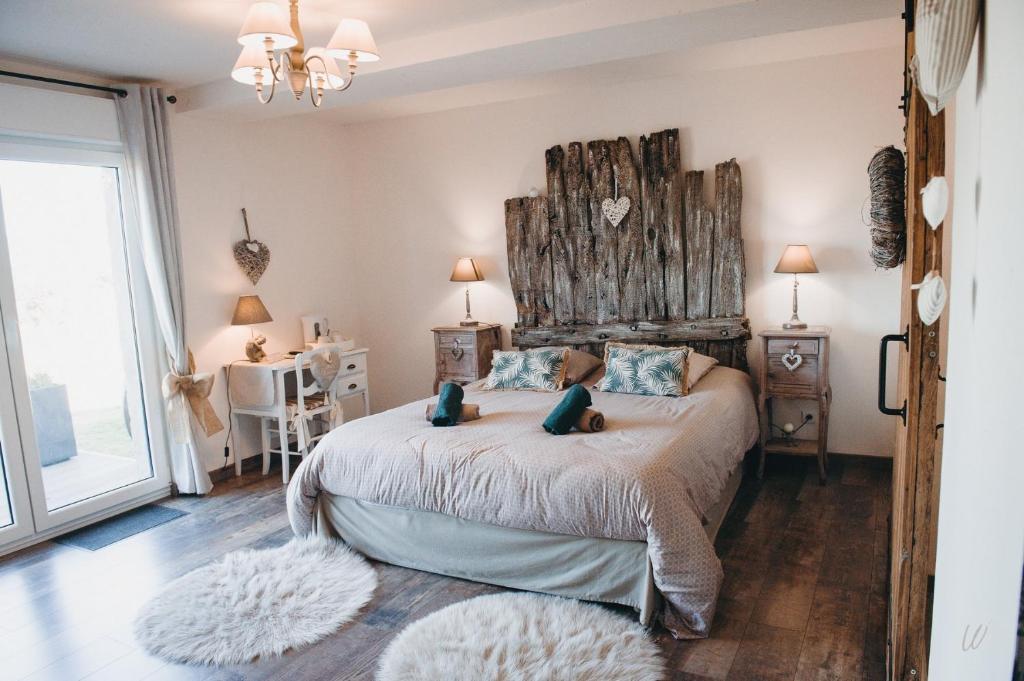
653 476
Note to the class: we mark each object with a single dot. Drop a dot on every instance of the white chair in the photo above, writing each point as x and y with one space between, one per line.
315 404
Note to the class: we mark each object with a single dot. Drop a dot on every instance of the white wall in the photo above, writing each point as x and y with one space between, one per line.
290 178
981 508
431 187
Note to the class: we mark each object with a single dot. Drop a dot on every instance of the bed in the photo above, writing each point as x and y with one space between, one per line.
627 515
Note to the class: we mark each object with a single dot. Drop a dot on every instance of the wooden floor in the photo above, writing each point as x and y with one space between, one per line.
804 592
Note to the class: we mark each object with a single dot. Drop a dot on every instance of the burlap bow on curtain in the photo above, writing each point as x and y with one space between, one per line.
194 390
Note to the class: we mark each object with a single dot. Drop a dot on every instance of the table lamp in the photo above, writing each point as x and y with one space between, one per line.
248 311
467 271
796 259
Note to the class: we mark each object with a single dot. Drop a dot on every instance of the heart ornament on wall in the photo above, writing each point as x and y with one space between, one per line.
252 256
615 210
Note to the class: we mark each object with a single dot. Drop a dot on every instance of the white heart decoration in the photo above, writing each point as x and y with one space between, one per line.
931 297
935 201
791 360
615 210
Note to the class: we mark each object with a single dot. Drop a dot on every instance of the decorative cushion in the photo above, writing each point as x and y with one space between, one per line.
684 385
639 371
697 367
578 365
943 36
541 369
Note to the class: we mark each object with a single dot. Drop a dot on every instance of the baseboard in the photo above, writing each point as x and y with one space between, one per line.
249 464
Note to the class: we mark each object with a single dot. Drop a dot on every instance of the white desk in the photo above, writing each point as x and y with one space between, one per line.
352 380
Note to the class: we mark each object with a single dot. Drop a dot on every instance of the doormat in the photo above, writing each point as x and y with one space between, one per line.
106 532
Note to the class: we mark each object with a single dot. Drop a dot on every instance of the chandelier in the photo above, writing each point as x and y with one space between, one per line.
267 29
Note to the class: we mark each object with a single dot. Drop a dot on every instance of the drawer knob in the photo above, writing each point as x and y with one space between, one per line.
352 386
791 360
351 366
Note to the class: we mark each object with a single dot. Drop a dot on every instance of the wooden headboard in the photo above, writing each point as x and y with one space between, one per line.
671 273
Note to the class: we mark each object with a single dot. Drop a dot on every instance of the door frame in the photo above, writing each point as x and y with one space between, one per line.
147 344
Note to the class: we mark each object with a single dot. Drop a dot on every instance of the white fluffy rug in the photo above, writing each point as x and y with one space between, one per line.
522 637
256 603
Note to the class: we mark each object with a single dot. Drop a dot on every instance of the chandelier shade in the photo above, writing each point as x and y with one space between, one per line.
319 63
267 21
251 61
353 35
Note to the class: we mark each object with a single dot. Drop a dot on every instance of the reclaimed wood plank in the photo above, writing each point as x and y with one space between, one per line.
581 231
563 245
632 278
519 261
653 169
678 330
729 271
538 245
699 223
606 258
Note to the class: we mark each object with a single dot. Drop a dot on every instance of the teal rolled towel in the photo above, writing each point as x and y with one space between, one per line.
567 412
449 405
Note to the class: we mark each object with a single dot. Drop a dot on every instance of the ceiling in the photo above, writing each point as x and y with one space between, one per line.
435 53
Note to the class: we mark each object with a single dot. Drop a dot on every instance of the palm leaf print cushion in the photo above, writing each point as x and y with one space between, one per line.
637 371
541 369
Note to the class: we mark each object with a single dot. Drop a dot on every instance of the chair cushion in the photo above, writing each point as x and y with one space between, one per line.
313 401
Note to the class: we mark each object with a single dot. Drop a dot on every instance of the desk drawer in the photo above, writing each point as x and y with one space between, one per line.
348 385
802 346
804 376
353 364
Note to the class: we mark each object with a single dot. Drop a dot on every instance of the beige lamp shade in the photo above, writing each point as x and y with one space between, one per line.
466 270
267 20
319 62
796 259
353 35
251 61
250 310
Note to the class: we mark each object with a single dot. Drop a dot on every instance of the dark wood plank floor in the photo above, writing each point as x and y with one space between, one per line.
804 592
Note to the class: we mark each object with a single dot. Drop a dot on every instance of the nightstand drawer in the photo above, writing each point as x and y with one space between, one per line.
802 346
803 376
456 340
457 361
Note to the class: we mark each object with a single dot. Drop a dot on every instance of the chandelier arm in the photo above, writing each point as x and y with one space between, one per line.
316 98
259 88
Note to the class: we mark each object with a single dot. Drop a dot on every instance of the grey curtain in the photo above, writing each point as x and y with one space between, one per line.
144 133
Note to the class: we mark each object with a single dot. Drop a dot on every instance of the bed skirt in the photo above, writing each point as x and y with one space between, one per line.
591 569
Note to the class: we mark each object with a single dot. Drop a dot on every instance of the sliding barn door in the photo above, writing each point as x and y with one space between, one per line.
915 472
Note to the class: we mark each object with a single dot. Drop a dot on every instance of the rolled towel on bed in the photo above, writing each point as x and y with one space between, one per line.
591 421
470 412
449 405
567 412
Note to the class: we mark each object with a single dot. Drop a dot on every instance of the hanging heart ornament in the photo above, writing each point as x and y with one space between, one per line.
791 360
931 297
935 201
615 210
253 257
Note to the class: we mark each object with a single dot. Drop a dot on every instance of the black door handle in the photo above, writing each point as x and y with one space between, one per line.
903 338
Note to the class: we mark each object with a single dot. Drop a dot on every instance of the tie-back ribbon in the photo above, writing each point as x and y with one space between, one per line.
193 389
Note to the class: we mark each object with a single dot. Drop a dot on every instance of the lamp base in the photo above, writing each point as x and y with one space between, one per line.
469 322
794 324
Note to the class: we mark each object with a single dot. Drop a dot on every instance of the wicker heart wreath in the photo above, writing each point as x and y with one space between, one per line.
251 255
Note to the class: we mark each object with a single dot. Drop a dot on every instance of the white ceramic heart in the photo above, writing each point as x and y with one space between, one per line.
792 361
935 201
615 210
931 297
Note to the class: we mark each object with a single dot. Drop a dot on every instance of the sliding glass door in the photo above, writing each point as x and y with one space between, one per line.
76 335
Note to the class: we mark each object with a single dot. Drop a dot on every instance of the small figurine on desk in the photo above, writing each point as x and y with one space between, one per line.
254 348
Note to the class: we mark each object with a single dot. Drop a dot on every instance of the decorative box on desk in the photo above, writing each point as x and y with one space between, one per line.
462 354
795 366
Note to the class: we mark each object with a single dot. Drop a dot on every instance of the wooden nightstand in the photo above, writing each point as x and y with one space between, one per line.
794 365
462 354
